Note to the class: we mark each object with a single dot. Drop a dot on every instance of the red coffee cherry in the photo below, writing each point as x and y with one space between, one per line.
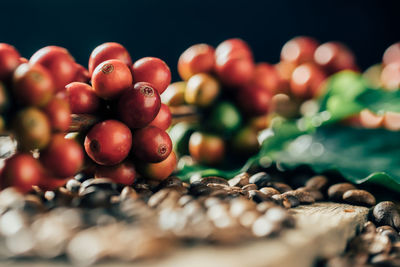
206 148
21 171
111 78
233 48
63 157
163 119
82 74
152 70
138 106
151 144
299 50
392 54
59 114
199 58
32 85
108 142
108 51
123 173
334 57
9 60
82 98
235 72
307 80
390 76
59 63
254 101
158 171
266 76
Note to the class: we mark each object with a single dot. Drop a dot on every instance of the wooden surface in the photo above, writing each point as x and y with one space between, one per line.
322 230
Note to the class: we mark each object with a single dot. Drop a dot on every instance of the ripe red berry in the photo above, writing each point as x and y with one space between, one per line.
235 72
266 76
163 119
307 80
206 148
334 57
108 51
392 54
60 64
151 144
9 60
82 98
123 173
139 105
63 157
299 50
108 142
160 170
198 58
82 74
152 70
233 48
254 101
21 171
32 85
59 114
111 78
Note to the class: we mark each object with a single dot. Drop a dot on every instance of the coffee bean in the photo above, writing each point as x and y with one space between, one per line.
260 179
218 186
359 197
386 213
73 186
249 187
281 187
287 201
213 180
128 192
219 193
170 181
269 191
316 194
93 197
257 196
239 206
157 198
264 206
369 227
101 183
388 231
380 243
318 182
178 188
199 189
336 191
240 180
303 196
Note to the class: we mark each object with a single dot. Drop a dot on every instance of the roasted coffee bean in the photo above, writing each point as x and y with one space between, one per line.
359 197
336 191
239 206
264 206
260 179
33 205
213 180
128 192
380 243
303 196
199 189
390 232
281 187
240 180
249 187
158 197
73 186
170 181
219 193
93 197
218 186
316 194
101 183
257 196
287 201
369 227
269 191
318 182
178 188
144 193
386 213
183 200
81 177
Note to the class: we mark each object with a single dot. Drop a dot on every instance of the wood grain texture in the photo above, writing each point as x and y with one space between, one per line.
322 230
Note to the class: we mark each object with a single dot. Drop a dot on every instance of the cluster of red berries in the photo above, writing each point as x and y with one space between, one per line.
38 98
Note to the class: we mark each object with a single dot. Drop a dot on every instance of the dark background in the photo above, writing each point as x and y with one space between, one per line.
164 28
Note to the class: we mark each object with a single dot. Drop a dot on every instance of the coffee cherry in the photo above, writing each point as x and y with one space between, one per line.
202 90
63 157
82 74
108 142
21 171
108 51
307 80
82 98
32 85
9 60
391 121
123 173
158 171
111 78
233 48
266 76
59 114
163 119
225 118
390 76
198 58
206 148
32 129
235 72
154 71
58 62
334 57
139 105
392 54
370 120
254 101
174 95
151 144
299 50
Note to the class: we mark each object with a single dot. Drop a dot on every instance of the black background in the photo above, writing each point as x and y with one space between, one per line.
166 28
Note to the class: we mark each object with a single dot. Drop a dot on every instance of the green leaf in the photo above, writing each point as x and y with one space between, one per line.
379 100
360 155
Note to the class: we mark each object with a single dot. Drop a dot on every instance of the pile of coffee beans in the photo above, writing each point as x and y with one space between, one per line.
378 244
